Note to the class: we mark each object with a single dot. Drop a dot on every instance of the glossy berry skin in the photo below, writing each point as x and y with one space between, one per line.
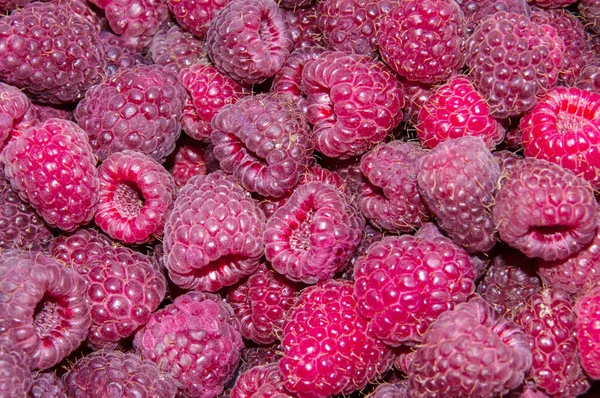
137 109
395 286
352 103
564 128
325 327
544 210
213 236
47 385
260 382
455 110
195 340
15 376
423 41
43 311
249 40
177 49
52 166
195 16
135 18
135 197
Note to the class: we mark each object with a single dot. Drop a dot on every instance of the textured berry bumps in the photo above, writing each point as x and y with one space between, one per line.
15 377
14 105
177 49
260 381
587 309
195 16
47 385
135 18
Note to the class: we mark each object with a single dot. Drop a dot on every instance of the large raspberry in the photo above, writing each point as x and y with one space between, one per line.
313 235
177 49
195 16
423 40
564 128
113 373
43 310
15 377
353 102
135 197
51 166
264 141
47 385
14 105
326 348
303 27
404 283
389 196
544 210
260 382
135 18
213 236
118 53
512 61
457 180
196 340
477 10
249 40
138 109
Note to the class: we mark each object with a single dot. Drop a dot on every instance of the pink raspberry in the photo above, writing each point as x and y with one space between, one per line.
137 109
544 210
389 196
13 108
389 390
43 310
477 10
260 382
47 385
249 40
195 16
214 234
423 40
369 236
259 355
15 377
135 18
52 166
135 197
78 249
118 54
403 284
326 346
313 235
177 49
195 340
455 110
302 23
587 309
264 142
415 96
512 61
37 114
590 11
6 6
470 351
342 93
189 159
589 79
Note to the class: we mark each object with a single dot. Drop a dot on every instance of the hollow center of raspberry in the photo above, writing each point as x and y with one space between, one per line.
550 232
566 121
128 200
46 317
300 239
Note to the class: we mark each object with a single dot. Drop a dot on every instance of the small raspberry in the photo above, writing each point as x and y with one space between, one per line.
135 18
258 356
47 385
14 105
302 23
544 210
389 390
189 159
404 357
195 16
177 49
260 382
15 377
117 54
326 348
85 10
79 248
590 11
477 10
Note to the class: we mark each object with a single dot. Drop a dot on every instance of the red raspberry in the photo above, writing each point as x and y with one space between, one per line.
80 248
51 166
195 340
47 385
260 382
477 10
469 351
137 109
389 390
13 107
6 6
587 309
43 310
177 49
455 110
326 348
135 18
343 91
261 304
249 40
589 79
404 283
85 10
302 23
195 16
512 61
423 40
258 356
389 196
313 235
213 236
15 377
564 128
415 96
544 210
118 54
264 142
51 52
135 197
189 159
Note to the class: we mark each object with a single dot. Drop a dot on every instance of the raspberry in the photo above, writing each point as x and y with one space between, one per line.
85 10
590 11
587 308
249 40
313 235
326 348
209 91
477 10
51 166
404 357
6 6
544 210
389 197
589 79
423 40
258 356
43 310
13 107
135 197
195 16
564 128
389 390
213 236
548 318
261 304
512 61
189 159
15 377
260 381
369 236
177 49
395 286
470 351
137 109
264 142
196 341
455 110
118 54
114 373
47 385
343 91
302 23
51 52
457 180
80 248
415 95
135 18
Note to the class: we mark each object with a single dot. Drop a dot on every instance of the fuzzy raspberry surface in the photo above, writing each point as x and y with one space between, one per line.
477 10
